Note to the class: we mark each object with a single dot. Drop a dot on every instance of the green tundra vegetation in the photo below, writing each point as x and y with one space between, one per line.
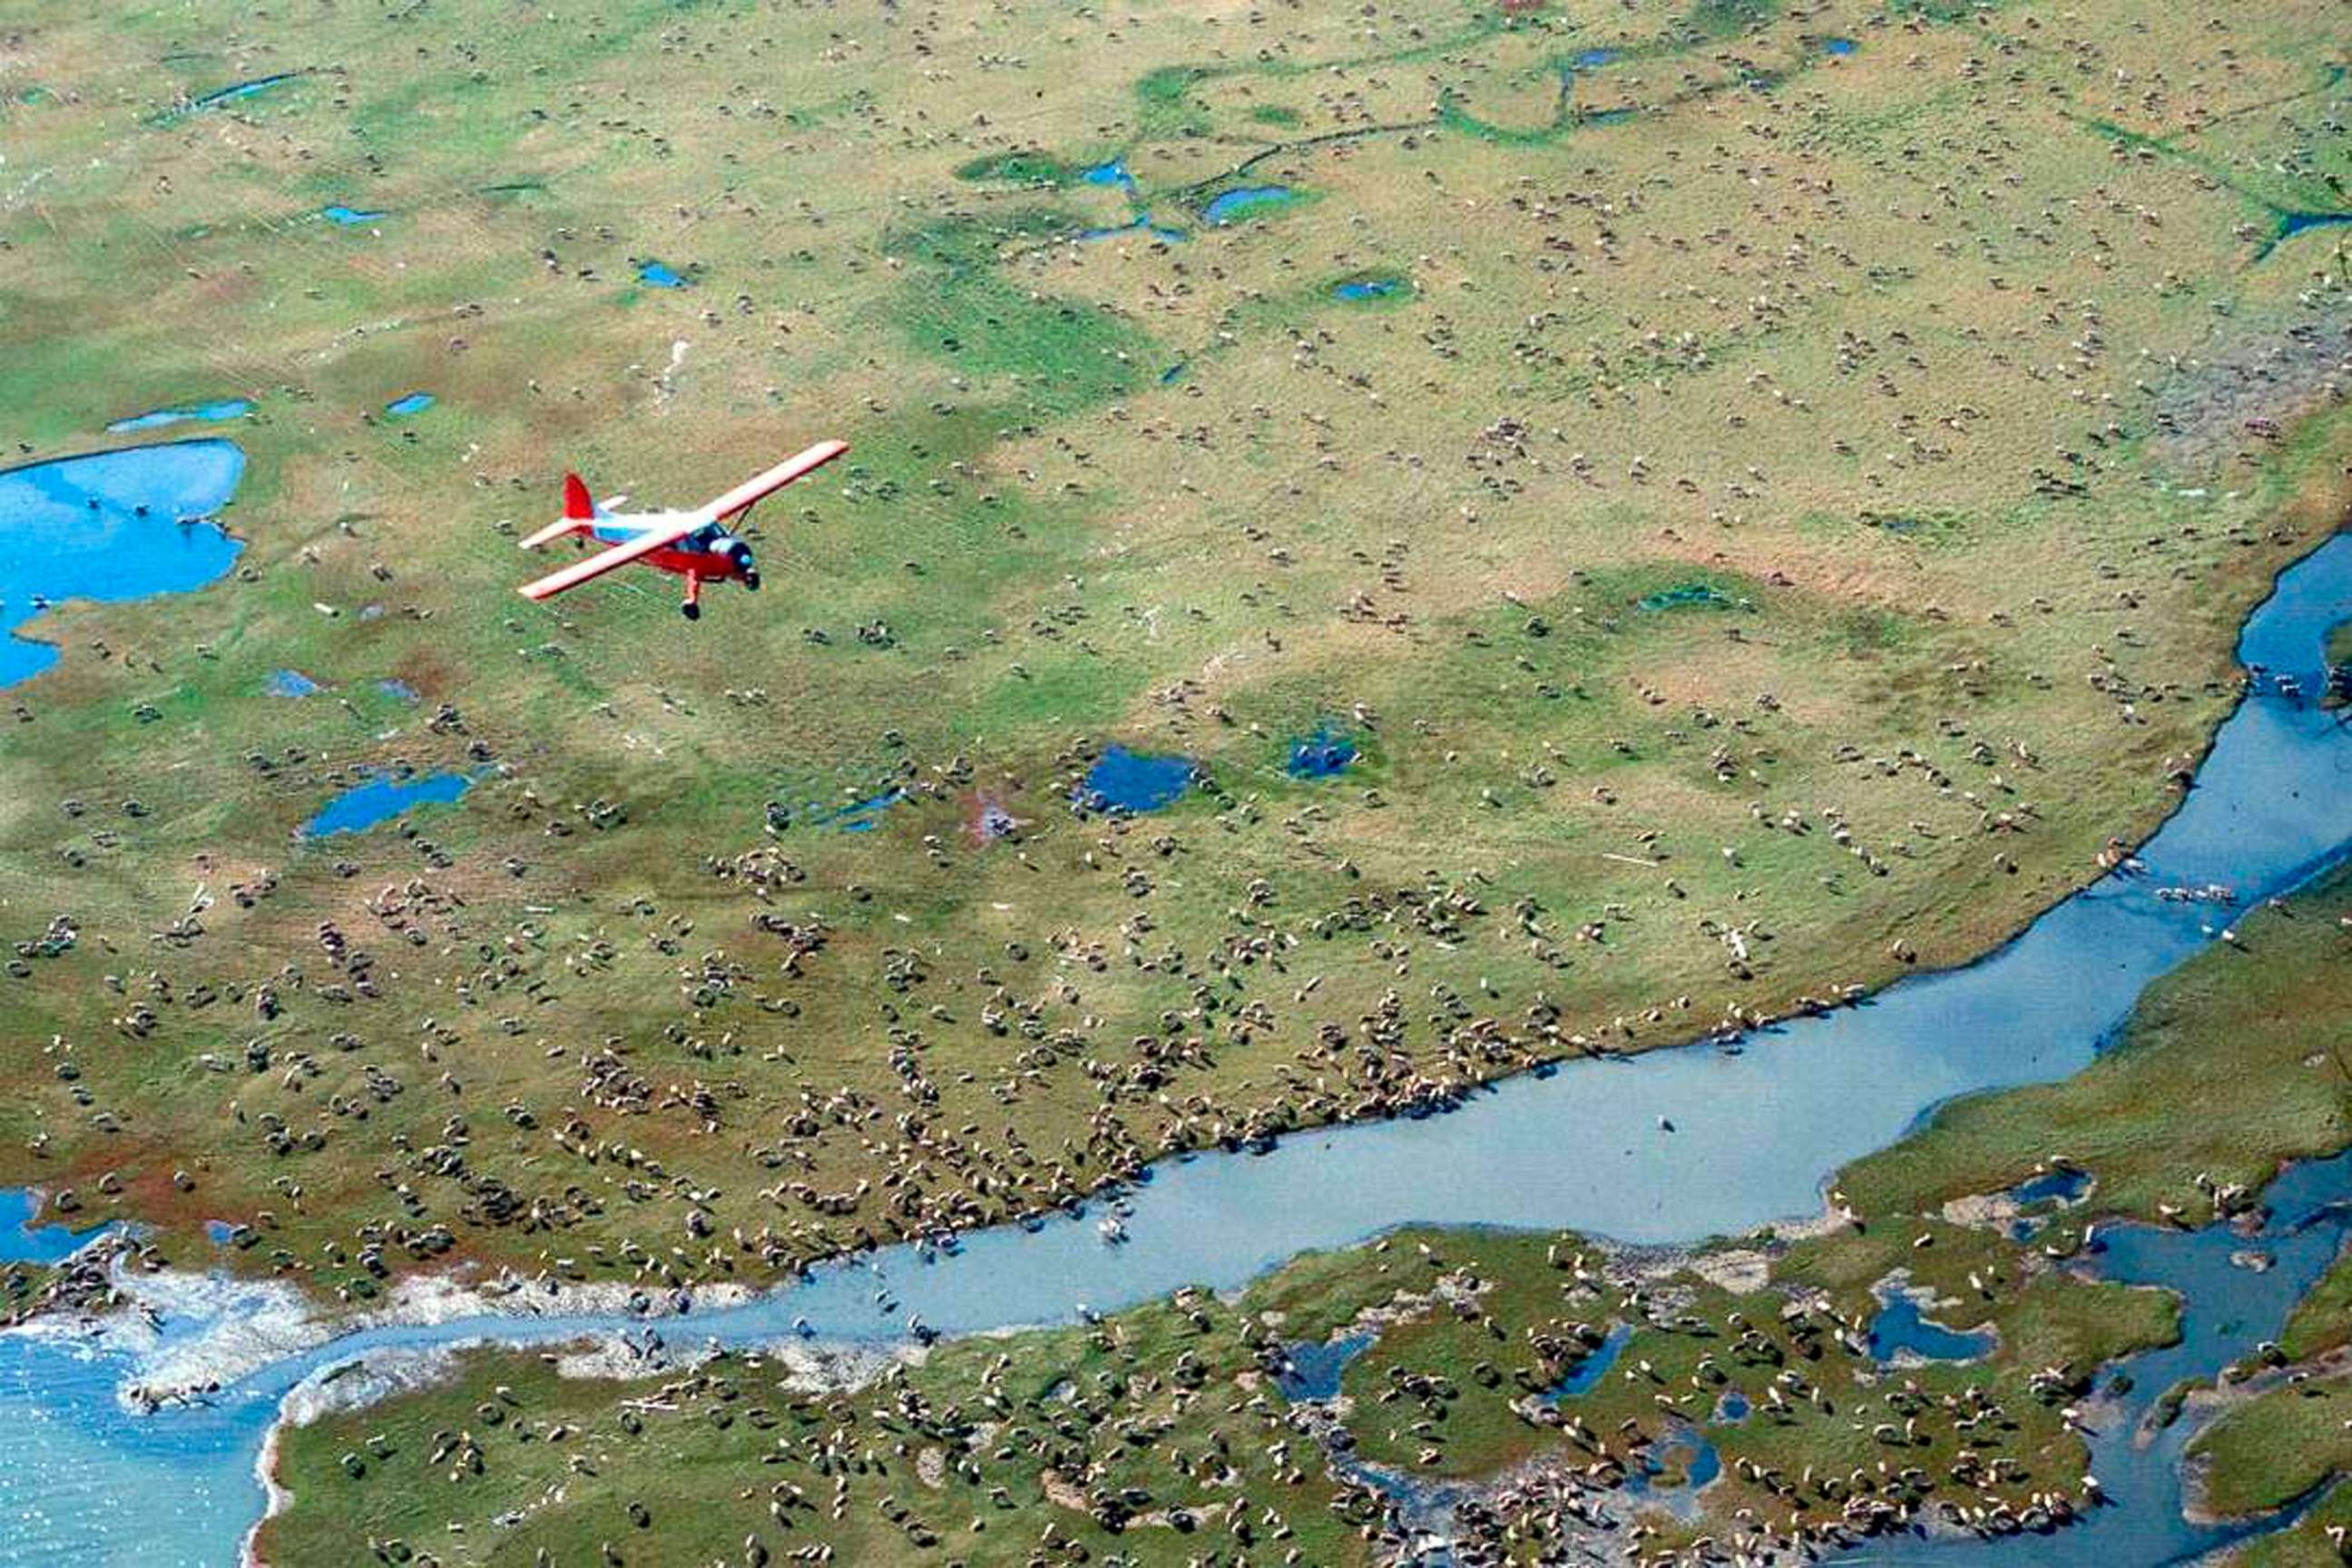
1158 1436
1789 527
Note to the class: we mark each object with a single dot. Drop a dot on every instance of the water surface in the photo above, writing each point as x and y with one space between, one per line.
157 418
22 1241
1322 755
1135 781
1243 201
1901 1326
111 526
383 797
236 90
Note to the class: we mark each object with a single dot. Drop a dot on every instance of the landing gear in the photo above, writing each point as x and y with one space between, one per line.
751 580
692 608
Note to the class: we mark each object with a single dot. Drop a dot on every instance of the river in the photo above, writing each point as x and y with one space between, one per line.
1583 1147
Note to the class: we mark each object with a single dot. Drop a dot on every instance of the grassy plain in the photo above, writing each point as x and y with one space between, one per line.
1471 1336
1787 531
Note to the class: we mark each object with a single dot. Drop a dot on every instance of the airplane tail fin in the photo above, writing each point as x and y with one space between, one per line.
579 513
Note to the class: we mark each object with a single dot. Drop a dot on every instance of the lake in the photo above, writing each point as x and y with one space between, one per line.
111 526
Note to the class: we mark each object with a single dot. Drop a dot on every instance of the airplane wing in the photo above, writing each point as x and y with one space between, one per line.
564 525
596 566
776 478
552 532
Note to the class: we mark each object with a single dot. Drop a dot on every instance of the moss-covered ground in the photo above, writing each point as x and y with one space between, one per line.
1145 1439
1790 521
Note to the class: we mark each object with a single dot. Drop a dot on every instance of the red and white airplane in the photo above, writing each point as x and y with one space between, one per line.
700 546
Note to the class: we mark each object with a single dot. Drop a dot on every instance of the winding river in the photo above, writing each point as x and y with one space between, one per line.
1583 1147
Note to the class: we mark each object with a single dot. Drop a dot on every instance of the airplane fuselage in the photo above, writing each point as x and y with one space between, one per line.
710 553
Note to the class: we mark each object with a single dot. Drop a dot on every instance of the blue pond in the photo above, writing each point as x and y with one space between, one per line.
1575 1149
1168 377
415 402
2292 224
1366 288
1131 781
860 815
1141 223
362 807
348 216
1691 1454
399 690
2056 1187
231 93
1838 45
22 1241
1593 59
1899 1327
1314 1370
1731 1408
1588 1372
156 418
1246 199
73 529
1111 174
292 683
656 275
1321 755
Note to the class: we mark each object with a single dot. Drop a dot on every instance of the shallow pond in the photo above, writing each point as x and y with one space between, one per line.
1315 1368
1321 755
1140 223
242 89
1243 201
22 1241
1135 781
414 403
115 525
1900 1326
1586 1375
157 418
382 798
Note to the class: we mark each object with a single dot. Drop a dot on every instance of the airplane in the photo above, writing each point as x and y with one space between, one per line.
700 545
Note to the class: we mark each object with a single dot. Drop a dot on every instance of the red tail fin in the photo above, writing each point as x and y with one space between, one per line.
577 506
